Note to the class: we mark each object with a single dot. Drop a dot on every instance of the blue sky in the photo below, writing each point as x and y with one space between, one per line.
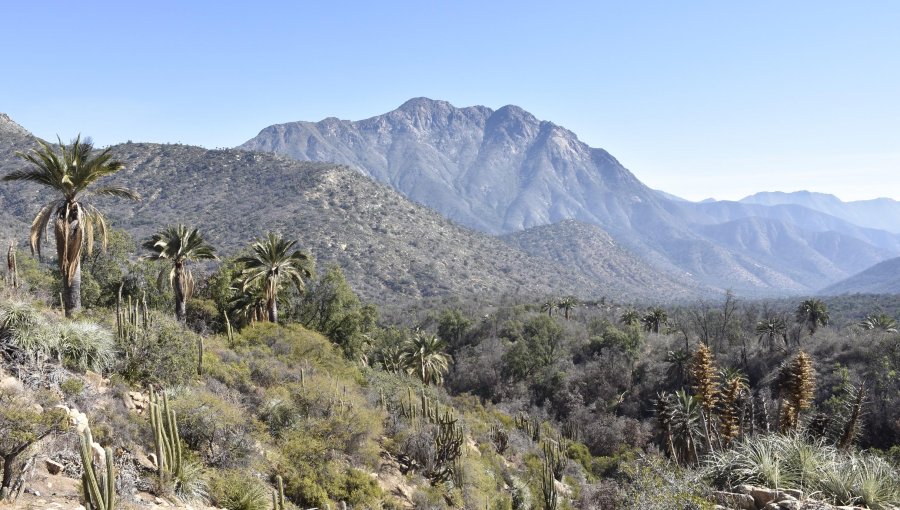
696 98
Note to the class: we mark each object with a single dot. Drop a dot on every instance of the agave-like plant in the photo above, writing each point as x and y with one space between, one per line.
179 244
71 171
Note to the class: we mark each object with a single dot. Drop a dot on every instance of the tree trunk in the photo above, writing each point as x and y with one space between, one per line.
180 297
5 485
72 292
272 306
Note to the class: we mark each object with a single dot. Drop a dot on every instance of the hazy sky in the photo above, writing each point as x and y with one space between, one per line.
696 98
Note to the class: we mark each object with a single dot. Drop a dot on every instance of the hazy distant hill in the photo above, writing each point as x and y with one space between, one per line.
880 213
504 170
882 278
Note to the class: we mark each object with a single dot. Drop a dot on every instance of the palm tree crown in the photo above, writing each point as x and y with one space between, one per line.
424 356
812 313
179 245
70 171
271 262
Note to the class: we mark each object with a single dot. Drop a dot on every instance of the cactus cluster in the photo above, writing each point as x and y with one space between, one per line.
555 457
500 438
442 463
169 462
548 488
98 485
133 318
531 427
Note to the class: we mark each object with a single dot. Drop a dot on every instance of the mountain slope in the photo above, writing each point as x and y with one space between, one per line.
594 253
879 213
504 171
388 246
882 278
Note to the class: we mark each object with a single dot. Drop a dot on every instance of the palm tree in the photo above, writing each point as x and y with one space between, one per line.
273 261
70 172
812 313
248 304
881 321
655 318
630 318
179 245
770 330
678 363
567 304
548 306
424 356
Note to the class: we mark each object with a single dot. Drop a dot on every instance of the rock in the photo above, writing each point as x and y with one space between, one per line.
764 497
95 379
53 467
129 403
734 500
147 462
152 459
794 493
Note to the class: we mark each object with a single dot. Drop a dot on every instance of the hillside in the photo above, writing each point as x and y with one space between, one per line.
618 272
385 244
882 278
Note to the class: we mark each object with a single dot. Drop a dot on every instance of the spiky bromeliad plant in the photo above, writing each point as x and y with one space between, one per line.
70 171
179 244
270 263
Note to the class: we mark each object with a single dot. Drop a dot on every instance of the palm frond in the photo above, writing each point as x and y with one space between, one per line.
118 192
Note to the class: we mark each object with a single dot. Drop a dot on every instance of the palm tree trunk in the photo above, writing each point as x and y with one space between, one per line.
180 296
272 307
72 292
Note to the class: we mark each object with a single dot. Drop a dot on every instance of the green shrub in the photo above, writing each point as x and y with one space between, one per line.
234 490
355 487
220 431
165 355
71 387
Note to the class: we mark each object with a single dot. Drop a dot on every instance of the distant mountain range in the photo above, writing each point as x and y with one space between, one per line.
878 213
525 207
503 171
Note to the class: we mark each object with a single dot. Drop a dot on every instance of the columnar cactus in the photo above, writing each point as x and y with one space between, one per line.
166 438
99 485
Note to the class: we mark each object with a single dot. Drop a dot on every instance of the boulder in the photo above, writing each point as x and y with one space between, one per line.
734 500
53 467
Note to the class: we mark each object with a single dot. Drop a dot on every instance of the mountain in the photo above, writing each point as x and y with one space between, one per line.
388 246
503 171
879 213
882 278
594 253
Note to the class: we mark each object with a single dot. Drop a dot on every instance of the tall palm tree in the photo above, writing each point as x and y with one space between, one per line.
424 356
655 318
812 313
70 172
630 318
770 330
271 263
548 306
179 245
567 304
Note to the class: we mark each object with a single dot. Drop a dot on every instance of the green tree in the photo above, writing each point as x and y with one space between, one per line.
179 245
812 313
71 171
270 263
540 345
332 308
452 327
423 356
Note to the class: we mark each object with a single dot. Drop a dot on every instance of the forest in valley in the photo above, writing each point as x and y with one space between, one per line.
155 370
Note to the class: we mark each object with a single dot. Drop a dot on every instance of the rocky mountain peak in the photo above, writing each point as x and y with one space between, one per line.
9 126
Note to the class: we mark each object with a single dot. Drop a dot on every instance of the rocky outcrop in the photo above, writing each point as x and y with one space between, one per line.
749 497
